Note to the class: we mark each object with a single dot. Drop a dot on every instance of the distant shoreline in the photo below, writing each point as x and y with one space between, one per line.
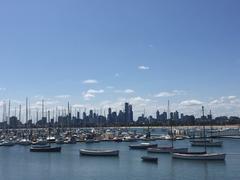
139 127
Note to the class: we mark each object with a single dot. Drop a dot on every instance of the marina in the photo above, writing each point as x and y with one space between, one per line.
128 163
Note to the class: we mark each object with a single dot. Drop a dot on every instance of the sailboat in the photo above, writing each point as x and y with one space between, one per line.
45 148
208 142
200 155
168 149
8 141
26 140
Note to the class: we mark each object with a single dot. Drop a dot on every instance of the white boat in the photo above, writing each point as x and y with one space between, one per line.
7 143
199 156
97 152
25 142
51 139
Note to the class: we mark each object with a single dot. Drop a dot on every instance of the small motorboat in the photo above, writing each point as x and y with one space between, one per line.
150 159
45 148
143 146
97 152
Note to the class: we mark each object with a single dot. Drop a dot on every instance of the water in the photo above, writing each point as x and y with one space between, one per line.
17 163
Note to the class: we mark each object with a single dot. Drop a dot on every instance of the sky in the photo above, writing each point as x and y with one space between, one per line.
100 54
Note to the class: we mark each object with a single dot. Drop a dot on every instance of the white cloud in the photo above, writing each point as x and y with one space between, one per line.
90 81
129 91
39 97
63 96
2 89
139 99
192 102
224 101
126 91
170 94
110 87
232 97
91 93
47 102
143 67
1 103
165 94
78 106
117 75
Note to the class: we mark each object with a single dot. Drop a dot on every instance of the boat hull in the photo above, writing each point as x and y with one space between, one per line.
86 152
150 159
143 146
45 149
194 156
208 144
167 150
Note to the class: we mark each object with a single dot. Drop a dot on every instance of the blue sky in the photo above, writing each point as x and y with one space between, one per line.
190 51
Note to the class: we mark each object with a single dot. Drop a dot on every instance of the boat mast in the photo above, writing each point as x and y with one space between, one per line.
171 123
26 111
204 130
42 109
210 117
9 111
20 112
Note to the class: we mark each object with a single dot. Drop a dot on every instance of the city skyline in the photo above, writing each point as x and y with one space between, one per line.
76 118
103 54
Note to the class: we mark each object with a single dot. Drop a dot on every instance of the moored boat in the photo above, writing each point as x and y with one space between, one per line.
45 148
143 146
25 142
150 159
98 152
7 143
199 156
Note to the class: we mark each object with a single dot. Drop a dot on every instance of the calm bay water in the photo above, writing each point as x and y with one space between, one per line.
17 163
